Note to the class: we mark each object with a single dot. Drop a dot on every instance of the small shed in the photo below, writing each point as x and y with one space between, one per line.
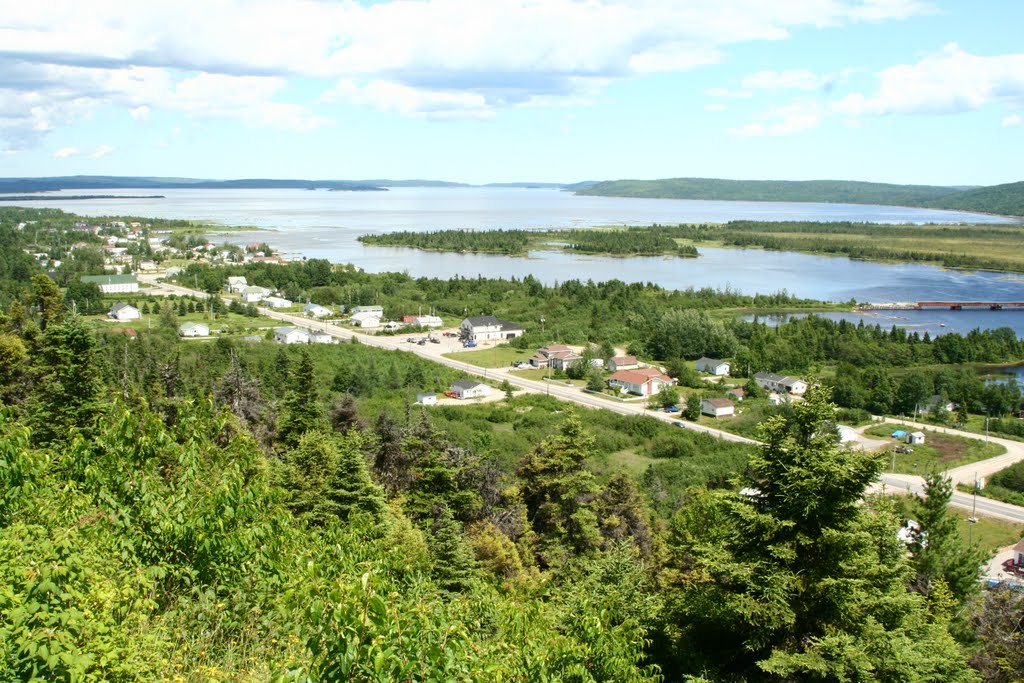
915 438
426 398
191 329
717 407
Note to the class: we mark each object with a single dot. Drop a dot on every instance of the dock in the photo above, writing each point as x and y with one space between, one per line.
946 305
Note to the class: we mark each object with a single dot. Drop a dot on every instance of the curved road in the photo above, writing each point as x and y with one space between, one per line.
899 483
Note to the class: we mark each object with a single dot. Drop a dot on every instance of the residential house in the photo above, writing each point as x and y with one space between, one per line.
316 310
316 337
640 383
255 294
277 302
470 388
113 284
737 394
378 310
931 404
488 328
775 399
622 363
563 359
193 330
237 284
780 383
291 335
915 438
365 319
431 321
542 358
124 312
713 366
717 407
426 398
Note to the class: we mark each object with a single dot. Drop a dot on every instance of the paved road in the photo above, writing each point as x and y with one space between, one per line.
890 482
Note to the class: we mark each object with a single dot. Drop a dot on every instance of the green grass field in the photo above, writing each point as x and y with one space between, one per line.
497 357
939 452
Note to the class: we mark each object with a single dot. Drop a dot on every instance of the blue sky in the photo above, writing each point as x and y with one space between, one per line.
904 91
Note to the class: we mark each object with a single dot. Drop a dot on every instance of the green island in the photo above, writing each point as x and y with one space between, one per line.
231 508
626 241
1006 199
990 247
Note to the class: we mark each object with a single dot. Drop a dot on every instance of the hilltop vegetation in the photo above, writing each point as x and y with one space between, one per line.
1000 199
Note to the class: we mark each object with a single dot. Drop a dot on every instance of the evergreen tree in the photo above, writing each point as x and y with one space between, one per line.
454 564
558 491
47 299
301 411
794 579
938 552
67 388
692 407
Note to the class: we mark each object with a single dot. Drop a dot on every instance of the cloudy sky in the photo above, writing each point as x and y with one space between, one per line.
909 91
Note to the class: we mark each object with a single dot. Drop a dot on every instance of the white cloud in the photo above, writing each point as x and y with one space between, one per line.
791 79
725 92
1012 120
101 151
948 82
790 119
65 152
715 106
434 58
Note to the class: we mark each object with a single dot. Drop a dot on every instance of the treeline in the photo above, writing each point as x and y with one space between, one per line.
511 242
628 242
143 532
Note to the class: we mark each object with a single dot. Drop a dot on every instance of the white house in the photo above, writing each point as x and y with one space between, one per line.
622 363
780 383
717 407
915 438
470 388
321 338
277 302
378 310
426 398
930 405
237 284
713 366
113 284
291 335
563 359
193 330
431 321
487 328
737 394
316 310
365 319
542 358
254 294
124 312
639 383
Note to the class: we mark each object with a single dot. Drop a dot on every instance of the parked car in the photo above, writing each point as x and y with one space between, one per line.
672 409
422 342
469 344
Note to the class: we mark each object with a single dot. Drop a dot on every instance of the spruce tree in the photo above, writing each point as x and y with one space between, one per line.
301 411
454 565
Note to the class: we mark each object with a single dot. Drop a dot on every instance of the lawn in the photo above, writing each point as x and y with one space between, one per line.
497 357
990 534
939 452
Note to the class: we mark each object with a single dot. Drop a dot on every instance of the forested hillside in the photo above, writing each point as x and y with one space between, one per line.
1007 200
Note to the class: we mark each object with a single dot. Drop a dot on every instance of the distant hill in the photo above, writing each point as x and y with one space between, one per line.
831 191
1007 200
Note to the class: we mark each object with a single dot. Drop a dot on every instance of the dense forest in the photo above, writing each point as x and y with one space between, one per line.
624 242
1005 199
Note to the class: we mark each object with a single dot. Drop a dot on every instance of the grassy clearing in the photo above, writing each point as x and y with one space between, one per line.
989 534
939 452
497 357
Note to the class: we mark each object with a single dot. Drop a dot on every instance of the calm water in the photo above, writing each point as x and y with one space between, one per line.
321 224
932 322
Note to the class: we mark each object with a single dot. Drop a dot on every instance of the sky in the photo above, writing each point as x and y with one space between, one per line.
901 91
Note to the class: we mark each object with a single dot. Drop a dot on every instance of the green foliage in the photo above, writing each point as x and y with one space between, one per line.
302 411
797 580
690 334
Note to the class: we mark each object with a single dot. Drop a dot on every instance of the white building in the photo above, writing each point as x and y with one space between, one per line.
713 366
124 312
469 388
639 383
291 335
193 330
915 438
717 407
431 321
378 310
321 338
113 284
488 328
367 319
277 302
237 284
622 363
780 383
426 398
316 310
252 295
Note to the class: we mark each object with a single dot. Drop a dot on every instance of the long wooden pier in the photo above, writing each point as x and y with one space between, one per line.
949 305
